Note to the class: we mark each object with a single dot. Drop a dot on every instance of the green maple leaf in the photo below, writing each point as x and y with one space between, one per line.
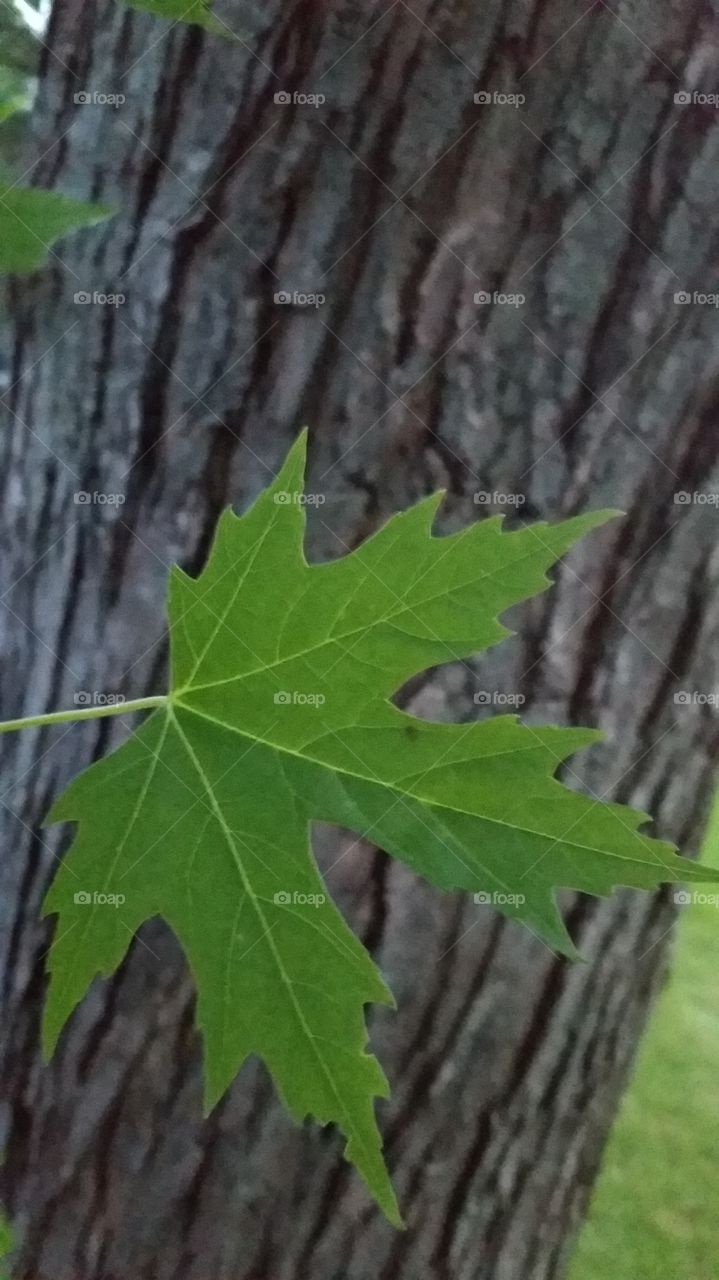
279 713
32 219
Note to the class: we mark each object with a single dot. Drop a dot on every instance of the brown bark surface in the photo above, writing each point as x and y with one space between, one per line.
399 199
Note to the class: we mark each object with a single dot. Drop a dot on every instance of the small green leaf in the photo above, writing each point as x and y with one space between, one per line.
198 12
19 44
279 713
31 220
6 1244
14 92
8 106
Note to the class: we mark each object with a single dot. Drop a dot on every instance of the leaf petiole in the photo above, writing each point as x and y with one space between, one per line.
86 713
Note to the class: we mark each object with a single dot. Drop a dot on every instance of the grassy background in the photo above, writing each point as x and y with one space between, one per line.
655 1209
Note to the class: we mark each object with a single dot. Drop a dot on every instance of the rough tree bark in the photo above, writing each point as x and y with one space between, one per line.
398 199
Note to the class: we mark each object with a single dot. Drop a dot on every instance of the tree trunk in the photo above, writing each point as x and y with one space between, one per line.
398 199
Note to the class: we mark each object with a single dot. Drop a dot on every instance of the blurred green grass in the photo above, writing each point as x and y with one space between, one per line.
654 1213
